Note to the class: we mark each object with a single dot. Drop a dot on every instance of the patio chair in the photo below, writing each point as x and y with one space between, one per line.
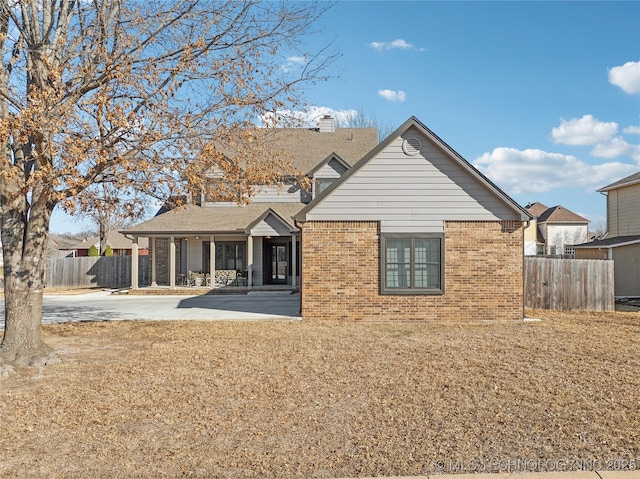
242 278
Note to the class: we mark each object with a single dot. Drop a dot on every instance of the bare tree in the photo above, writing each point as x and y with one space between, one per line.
144 96
107 210
361 119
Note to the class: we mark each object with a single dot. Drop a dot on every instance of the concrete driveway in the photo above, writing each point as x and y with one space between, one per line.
104 306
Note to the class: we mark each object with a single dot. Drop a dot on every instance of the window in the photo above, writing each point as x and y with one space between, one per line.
229 256
323 184
412 264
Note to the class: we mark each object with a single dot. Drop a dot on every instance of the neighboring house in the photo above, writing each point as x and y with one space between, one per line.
64 247
622 241
410 231
61 246
553 231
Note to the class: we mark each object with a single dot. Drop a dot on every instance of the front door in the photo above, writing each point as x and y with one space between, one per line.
276 265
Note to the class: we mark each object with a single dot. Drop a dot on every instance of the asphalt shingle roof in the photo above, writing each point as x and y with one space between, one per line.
629 180
559 214
608 242
192 219
309 147
536 209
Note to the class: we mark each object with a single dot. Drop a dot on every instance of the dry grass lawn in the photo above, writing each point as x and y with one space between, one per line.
311 399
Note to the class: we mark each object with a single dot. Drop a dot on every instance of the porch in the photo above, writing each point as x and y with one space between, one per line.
221 262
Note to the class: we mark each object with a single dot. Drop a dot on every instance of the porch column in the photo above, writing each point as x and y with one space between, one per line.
134 263
172 262
212 260
250 261
293 261
154 281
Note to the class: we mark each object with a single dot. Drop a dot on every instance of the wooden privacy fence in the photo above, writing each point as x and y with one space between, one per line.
569 284
95 271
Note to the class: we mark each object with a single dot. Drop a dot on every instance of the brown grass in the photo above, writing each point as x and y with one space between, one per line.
310 399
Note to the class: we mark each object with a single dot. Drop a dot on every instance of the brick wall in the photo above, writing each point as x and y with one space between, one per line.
162 259
483 274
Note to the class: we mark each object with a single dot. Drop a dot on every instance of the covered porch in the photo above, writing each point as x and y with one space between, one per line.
264 253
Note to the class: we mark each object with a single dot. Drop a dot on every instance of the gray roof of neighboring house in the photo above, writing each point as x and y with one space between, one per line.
559 214
536 209
63 243
115 239
629 180
610 242
192 219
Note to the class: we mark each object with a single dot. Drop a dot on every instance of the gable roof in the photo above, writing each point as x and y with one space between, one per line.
309 147
536 209
439 143
229 219
629 180
559 214
269 212
332 156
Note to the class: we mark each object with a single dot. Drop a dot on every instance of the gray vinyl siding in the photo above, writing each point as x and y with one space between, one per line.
409 192
270 226
276 195
332 169
627 270
623 211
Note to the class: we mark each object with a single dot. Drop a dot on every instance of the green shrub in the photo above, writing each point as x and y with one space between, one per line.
108 251
93 251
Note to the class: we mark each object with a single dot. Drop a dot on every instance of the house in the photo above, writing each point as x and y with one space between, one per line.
410 231
65 247
259 240
553 231
622 241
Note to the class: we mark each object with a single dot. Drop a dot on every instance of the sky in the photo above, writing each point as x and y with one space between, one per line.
542 97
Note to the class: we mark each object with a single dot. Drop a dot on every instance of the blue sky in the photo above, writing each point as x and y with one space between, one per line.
543 97
531 93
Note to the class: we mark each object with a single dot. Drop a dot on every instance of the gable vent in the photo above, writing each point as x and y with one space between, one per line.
411 146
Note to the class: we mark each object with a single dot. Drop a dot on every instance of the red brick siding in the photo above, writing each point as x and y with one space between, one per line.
483 274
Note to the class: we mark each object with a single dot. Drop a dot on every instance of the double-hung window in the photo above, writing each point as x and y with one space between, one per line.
412 264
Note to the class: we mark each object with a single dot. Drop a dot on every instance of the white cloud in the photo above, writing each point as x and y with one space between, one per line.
615 147
308 118
632 130
292 62
392 95
583 131
603 135
538 171
395 44
626 77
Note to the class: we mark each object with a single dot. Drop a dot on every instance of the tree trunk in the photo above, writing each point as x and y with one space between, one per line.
24 246
23 342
